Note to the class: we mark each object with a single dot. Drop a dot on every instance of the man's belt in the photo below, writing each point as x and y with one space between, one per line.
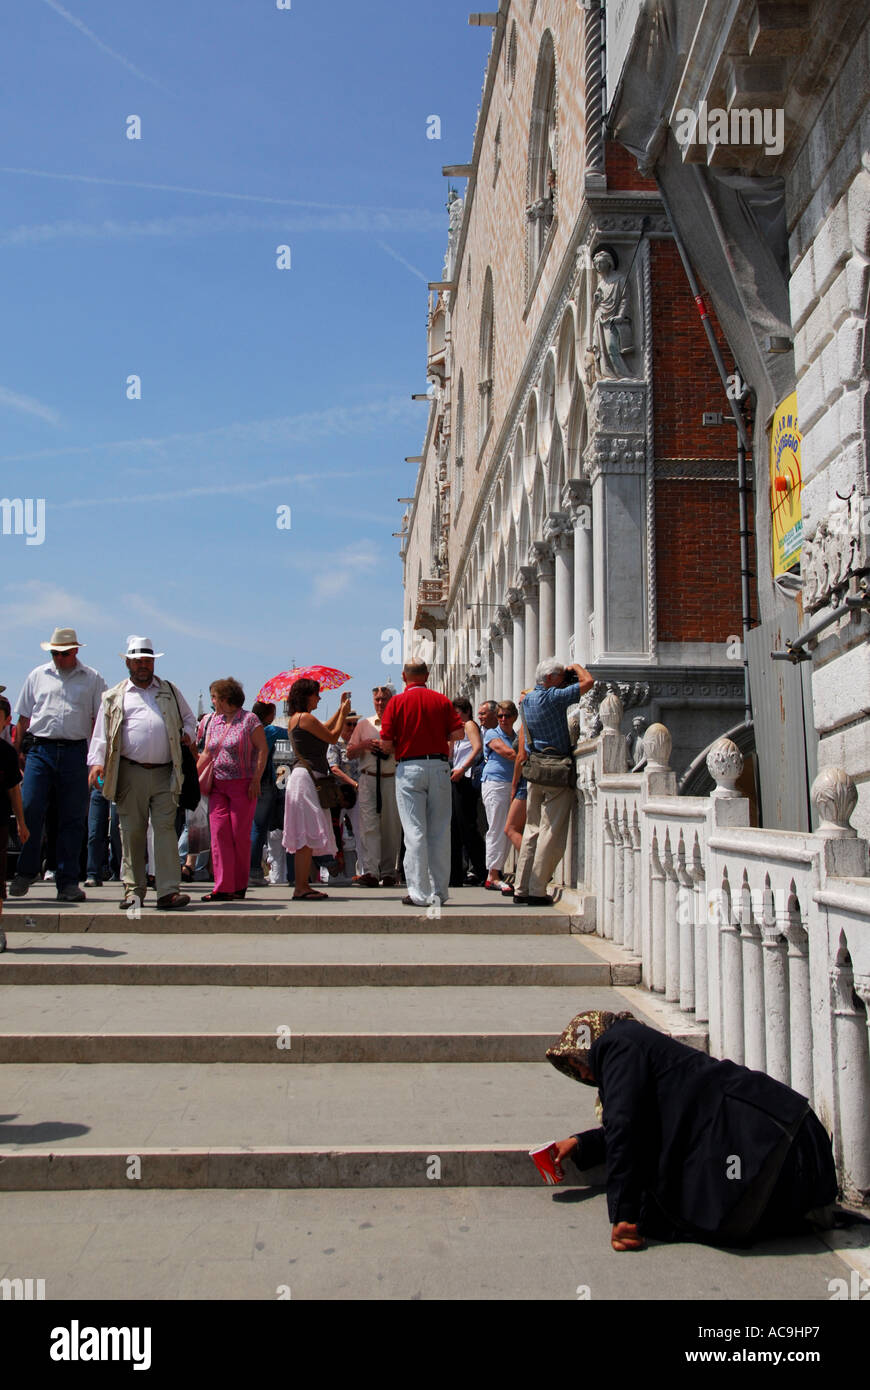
424 758
68 742
150 766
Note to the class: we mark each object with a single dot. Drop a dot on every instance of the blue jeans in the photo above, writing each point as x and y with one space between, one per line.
262 820
62 766
423 796
104 837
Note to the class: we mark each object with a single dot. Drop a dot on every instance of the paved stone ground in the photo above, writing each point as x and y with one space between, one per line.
480 1243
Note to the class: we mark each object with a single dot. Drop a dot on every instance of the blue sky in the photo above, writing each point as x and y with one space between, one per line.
260 387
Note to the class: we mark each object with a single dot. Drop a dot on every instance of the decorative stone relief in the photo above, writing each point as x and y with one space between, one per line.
835 797
836 550
725 764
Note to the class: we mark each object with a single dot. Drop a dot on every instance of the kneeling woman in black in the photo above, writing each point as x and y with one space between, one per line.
696 1149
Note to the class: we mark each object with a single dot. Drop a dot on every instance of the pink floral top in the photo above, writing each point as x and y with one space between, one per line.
232 737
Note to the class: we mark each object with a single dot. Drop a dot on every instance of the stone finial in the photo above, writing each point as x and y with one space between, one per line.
610 712
835 797
725 764
657 744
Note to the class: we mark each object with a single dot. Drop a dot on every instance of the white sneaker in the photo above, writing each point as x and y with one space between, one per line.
48 876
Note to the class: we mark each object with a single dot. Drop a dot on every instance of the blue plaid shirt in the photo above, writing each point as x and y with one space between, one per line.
545 713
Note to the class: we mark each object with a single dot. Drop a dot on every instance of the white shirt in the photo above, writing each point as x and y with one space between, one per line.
143 733
61 704
369 728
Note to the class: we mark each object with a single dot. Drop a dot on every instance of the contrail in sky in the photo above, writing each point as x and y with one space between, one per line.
401 259
199 192
89 34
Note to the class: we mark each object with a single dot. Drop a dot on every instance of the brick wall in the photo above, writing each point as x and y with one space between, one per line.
697 521
621 170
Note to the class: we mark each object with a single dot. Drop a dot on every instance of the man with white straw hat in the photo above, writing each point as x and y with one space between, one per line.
57 708
136 750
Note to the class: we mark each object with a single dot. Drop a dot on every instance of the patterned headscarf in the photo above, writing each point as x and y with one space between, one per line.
572 1049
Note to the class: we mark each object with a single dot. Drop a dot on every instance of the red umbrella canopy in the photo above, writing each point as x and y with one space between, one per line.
278 688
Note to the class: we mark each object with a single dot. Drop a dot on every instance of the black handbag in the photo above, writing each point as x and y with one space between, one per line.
190 793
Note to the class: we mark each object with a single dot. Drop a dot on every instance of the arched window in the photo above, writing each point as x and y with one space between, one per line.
458 450
487 358
496 158
543 154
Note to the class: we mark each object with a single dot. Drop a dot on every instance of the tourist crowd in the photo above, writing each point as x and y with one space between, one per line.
124 784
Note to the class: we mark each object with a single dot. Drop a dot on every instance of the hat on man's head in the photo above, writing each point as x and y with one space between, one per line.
140 646
63 639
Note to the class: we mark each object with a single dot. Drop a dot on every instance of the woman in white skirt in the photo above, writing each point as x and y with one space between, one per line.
499 751
308 825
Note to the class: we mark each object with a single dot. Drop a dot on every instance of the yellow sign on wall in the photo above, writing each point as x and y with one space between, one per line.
785 486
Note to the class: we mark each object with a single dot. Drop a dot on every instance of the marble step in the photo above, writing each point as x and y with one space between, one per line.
258 1126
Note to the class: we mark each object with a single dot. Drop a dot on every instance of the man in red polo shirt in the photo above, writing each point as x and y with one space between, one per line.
417 725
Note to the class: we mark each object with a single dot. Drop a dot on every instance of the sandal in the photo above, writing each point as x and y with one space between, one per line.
492 886
217 897
311 896
187 874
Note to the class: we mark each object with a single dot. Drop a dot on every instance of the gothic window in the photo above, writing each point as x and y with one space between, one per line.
458 448
487 348
543 154
510 65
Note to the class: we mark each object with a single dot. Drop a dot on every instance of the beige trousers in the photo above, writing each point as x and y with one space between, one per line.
548 816
144 794
380 836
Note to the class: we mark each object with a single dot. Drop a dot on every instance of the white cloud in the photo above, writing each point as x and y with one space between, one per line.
343 569
203 632
104 47
28 405
36 603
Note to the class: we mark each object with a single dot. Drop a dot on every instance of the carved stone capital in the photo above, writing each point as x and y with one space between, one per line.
835 797
541 556
503 616
725 764
514 597
527 582
614 454
559 530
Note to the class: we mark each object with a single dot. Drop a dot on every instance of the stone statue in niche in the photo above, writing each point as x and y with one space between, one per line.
636 750
611 325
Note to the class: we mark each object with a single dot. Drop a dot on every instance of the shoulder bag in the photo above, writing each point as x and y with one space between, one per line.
327 788
190 790
206 761
546 768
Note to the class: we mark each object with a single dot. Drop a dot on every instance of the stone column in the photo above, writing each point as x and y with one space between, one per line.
541 556
615 459
558 530
577 501
505 622
497 683
518 616
528 580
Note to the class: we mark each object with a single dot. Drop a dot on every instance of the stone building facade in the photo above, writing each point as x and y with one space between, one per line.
773 206
569 500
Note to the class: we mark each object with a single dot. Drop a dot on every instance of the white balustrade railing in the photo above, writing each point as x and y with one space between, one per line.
762 936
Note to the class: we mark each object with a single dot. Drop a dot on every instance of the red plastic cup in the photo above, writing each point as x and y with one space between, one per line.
547 1164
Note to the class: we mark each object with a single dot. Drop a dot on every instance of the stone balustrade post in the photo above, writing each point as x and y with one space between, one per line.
656 961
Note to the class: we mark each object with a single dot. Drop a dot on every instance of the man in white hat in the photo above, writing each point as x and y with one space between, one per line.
57 707
136 751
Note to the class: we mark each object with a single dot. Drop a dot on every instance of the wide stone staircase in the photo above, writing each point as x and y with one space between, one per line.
358 1043
338 1098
